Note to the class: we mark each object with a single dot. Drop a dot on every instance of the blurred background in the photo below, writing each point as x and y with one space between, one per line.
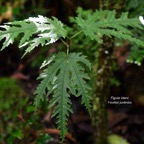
18 122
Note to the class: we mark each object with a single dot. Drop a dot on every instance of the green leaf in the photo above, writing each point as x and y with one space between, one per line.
44 30
43 138
30 108
65 75
104 22
17 134
78 78
115 139
3 9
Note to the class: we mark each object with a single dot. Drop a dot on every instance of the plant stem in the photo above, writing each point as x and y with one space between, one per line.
67 45
64 42
76 34
69 39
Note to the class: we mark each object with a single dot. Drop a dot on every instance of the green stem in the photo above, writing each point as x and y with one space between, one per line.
67 45
69 39
64 42
76 34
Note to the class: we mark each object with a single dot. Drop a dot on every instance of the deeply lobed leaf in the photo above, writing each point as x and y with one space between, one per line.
104 22
65 75
44 30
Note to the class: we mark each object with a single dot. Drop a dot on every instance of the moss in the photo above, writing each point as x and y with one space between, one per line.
12 101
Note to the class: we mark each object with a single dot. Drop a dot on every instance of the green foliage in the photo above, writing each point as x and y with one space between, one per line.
15 102
136 55
3 9
99 23
43 139
47 31
115 139
65 75
11 86
10 106
135 7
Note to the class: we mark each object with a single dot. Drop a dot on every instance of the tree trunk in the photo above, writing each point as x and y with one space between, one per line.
103 71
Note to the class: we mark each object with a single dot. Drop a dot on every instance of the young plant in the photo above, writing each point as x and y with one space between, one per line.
66 73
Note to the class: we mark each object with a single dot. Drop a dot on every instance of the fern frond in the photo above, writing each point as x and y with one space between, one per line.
104 22
64 76
45 30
